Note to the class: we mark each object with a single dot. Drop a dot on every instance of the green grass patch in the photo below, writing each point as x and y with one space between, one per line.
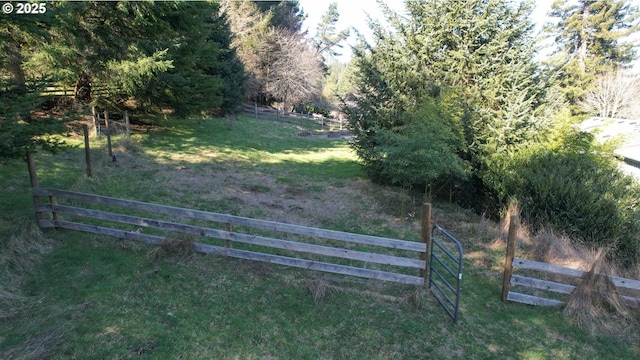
86 297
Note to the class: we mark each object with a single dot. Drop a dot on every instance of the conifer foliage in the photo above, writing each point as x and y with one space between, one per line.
477 52
590 35
449 94
148 56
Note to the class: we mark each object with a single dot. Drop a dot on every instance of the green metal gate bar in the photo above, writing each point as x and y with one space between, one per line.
447 268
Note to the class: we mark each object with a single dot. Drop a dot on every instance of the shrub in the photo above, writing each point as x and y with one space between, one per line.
575 186
424 149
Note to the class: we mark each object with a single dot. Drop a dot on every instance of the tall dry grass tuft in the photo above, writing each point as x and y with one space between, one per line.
595 304
24 248
176 246
523 235
318 288
19 256
418 298
40 347
128 146
550 247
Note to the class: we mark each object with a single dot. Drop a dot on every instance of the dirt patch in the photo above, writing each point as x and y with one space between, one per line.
256 193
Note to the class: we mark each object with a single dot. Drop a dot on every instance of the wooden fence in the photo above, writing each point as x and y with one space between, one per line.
58 91
106 122
293 117
544 292
88 213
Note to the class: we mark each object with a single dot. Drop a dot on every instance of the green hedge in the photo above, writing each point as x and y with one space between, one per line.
576 187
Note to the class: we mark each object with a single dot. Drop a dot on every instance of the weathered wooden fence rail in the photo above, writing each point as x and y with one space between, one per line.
58 90
293 117
555 289
50 215
110 122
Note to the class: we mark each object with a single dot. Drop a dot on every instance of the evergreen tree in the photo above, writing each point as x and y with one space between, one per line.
327 40
151 54
425 148
479 51
19 35
20 85
590 34
337 83
103 44
251 30
206 74
284 14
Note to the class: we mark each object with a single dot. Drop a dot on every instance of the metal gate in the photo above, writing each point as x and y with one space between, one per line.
445 270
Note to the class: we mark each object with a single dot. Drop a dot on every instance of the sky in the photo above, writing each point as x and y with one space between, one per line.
353 13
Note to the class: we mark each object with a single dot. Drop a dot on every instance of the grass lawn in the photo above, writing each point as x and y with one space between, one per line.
69 295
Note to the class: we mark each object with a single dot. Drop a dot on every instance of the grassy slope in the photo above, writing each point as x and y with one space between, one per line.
93 297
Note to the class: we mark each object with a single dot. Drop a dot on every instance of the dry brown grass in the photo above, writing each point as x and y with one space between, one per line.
18 258
126 145
176 246
595 304
523 237
318 288
39 347
419 298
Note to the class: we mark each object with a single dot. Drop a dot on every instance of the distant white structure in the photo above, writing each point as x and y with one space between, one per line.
627 130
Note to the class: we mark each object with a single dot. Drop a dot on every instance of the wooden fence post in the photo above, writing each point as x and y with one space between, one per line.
108 126
96 119
426 239
87 151
53 201
33 177
508 261
127 124
228 243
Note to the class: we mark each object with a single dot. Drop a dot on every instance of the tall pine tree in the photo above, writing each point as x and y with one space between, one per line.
173 55
478 52
21 82
590 37
327 38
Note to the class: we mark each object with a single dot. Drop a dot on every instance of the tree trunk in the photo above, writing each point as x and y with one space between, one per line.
231 118
403 202
83 88
14 65
584 39
427 192
18 79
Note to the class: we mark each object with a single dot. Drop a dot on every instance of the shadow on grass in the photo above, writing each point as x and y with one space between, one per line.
109 298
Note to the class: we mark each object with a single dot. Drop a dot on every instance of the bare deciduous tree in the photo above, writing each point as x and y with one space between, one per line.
295 74
613 95
279 61
251 31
